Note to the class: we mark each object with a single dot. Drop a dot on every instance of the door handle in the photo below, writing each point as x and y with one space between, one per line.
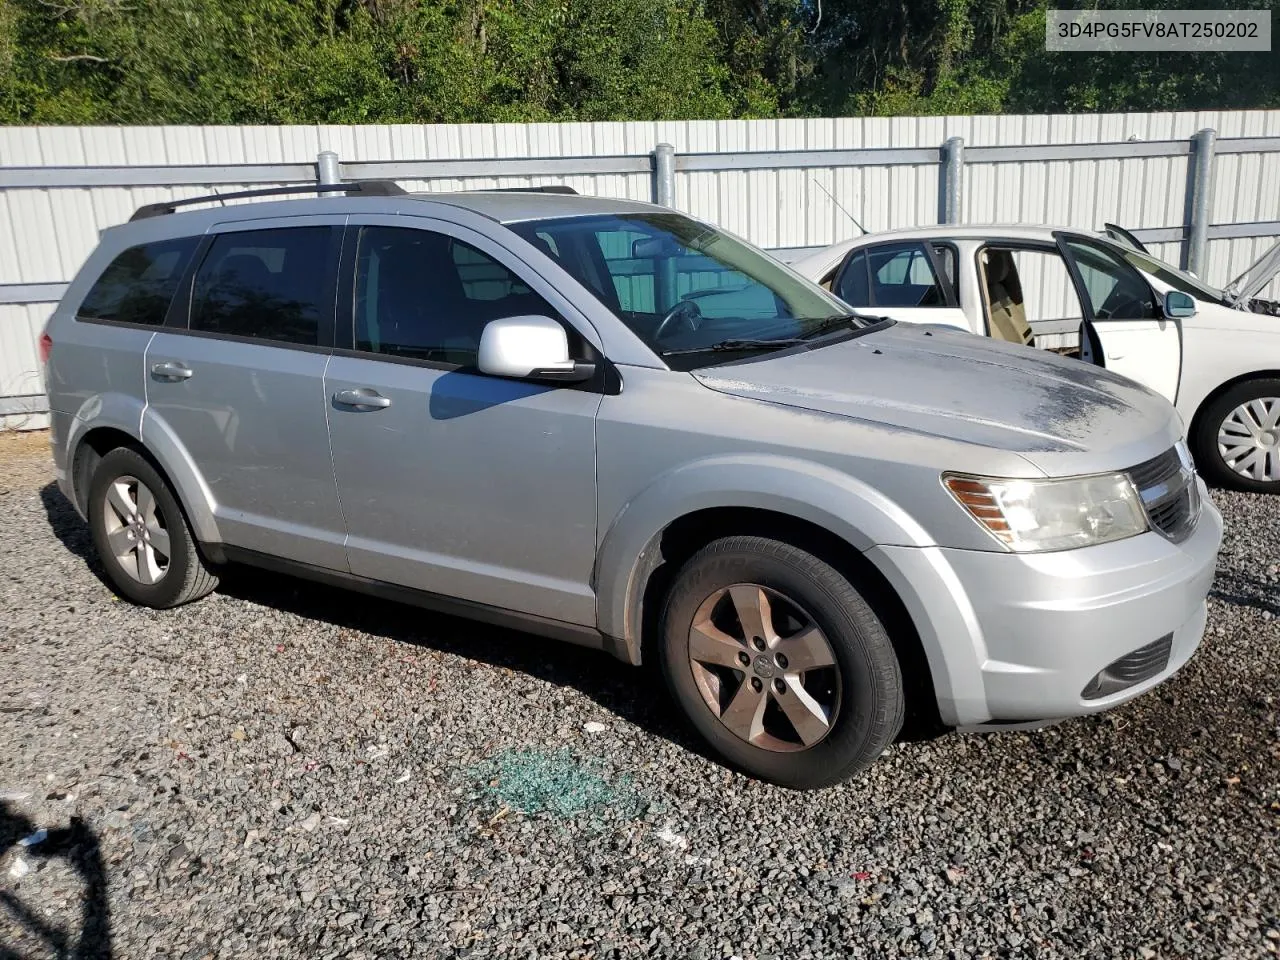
169 370
363 397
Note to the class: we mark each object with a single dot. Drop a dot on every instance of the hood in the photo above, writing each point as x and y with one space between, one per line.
1063 415
1255 277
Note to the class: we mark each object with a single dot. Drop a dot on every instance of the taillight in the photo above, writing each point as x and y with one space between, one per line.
46 345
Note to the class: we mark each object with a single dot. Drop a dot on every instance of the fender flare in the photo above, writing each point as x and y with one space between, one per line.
850 509
132 417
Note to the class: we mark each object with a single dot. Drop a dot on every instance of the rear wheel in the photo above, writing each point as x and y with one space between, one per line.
142 535
779 663
1237 438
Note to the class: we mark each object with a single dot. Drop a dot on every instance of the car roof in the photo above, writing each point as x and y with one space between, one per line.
825 257
503 206
955 231
513 206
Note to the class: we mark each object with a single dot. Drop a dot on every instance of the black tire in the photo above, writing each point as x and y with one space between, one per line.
186 576
871 703
1204 438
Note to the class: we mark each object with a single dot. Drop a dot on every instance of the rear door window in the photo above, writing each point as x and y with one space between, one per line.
891 275
265 284
138 285
902 275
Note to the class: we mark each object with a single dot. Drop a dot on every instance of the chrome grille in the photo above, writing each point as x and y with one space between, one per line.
1170 496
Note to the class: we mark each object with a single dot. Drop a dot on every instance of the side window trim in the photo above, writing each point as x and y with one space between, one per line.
949 285
179 317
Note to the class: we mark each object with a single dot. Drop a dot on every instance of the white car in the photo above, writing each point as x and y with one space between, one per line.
1214 353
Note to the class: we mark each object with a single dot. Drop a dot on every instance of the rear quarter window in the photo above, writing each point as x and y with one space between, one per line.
138 285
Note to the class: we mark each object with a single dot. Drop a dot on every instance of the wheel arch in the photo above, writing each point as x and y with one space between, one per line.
93 439
682 538
822 511
1209 398
1217 392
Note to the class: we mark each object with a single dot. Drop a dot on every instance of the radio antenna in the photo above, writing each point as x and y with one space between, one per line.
838 206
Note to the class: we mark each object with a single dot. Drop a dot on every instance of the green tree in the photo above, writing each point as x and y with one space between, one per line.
276 61
365 61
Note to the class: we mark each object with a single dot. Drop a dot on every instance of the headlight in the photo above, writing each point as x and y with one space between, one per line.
1037 515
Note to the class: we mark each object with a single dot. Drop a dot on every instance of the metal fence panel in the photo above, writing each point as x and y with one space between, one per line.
792 184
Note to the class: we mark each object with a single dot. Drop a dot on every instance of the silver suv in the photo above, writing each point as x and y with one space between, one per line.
614 424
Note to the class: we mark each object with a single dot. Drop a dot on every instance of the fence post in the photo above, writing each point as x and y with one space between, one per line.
664 175
952 179
327 167
1200 202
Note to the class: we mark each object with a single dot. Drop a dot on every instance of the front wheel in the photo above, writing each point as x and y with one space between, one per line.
779 663
1237 437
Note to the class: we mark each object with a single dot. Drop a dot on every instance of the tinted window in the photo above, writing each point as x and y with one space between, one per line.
902 276
852 287
426 295
138 284
1116 291
268 284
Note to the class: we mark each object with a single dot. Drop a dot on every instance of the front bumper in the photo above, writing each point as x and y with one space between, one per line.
1019 637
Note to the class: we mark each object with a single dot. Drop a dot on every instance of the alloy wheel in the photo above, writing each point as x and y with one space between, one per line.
136 531
764 667
1249 439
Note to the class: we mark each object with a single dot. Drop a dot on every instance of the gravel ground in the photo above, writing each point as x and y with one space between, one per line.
284 770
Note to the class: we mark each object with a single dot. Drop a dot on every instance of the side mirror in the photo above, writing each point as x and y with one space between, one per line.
529 348
1178 304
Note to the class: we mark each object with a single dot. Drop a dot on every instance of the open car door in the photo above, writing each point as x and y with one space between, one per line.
1124 327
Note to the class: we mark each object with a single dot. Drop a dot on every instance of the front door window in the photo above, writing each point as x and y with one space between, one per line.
1114 290
428 296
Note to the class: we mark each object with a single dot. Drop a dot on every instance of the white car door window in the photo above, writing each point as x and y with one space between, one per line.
1137 340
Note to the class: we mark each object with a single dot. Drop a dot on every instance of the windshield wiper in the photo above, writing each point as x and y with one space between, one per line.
740 344
854 321
822 326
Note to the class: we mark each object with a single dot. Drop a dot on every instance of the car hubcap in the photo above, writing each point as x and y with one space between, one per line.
136 530
764 667
1249 439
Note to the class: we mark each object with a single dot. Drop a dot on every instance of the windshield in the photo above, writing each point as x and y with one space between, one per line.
1170 276
685 288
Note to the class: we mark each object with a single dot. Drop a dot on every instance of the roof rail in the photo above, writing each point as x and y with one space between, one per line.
552 188
368 188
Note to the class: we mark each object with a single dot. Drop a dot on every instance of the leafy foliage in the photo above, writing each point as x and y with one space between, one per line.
354 61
